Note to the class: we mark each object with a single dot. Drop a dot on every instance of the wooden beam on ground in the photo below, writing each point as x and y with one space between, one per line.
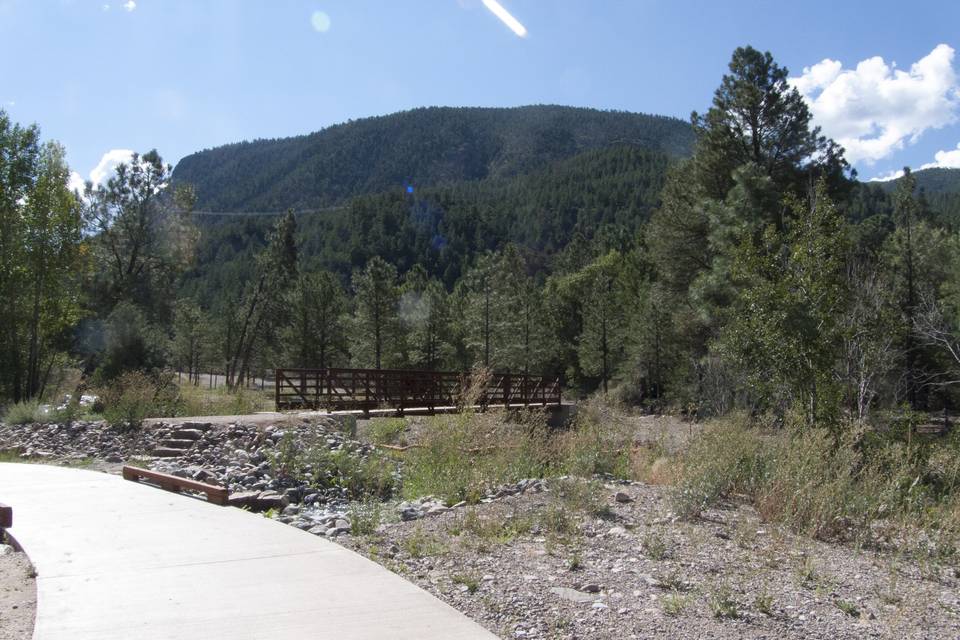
216 495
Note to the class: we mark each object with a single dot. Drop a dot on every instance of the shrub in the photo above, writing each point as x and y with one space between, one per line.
460 457
468 580
364 518
654 546
198 401
598 442
829 484
386 430
675 603
135 395
24 412
722 604
360 476
131 343
729 457
420 544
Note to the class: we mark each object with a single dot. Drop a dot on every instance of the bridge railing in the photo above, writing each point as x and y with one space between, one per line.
365 389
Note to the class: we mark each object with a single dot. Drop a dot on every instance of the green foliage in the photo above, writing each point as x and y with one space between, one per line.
191 338
386 430
784 331
722 604
421 544
360 476
427 146
378 339
131 342
655 547
196 400
317 335
142 237
134 396
41 259
828 489
252 323
364 517
23 412
758 117
491 528
468 580
847 607
495 453
675 603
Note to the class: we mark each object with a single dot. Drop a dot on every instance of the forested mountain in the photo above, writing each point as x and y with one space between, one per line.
937 189
605 191
930 181
422 147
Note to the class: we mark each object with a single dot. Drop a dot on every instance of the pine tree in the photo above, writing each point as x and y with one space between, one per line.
376 317
262 304
317 334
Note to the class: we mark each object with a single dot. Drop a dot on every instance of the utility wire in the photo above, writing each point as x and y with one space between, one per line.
264 213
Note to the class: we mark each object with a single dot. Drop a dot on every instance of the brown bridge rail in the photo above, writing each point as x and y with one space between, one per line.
366 389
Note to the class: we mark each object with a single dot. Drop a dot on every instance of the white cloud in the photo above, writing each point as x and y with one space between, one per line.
875 109
76 182
129 5
945 160
108 165
885 177
105 7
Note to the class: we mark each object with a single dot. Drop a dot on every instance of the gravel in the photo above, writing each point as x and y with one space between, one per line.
18 595
639 573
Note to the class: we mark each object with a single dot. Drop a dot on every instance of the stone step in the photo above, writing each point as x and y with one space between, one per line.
175 443
200 426
188 434
165 452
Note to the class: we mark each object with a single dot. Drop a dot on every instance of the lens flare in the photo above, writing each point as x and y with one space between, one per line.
514 25
320 21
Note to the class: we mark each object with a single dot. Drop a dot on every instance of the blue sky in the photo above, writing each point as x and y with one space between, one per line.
180 76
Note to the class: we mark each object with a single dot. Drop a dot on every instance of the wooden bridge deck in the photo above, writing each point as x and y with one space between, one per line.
366 389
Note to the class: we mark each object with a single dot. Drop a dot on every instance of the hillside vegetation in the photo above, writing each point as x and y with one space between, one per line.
422 147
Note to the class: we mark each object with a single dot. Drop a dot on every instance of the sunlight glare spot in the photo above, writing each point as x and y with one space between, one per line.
320 21
497 9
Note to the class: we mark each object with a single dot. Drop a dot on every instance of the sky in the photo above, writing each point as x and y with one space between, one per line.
108 77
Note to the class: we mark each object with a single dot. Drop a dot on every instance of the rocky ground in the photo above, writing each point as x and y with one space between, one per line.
561 558
623 568
18 595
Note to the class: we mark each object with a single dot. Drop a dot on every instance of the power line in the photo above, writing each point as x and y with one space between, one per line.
265 213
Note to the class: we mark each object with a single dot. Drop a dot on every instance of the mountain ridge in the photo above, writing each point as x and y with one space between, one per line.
428 146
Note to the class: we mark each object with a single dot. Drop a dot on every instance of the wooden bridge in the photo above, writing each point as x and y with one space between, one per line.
366 389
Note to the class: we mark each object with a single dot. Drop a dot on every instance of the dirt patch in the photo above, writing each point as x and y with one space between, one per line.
633 572
18 595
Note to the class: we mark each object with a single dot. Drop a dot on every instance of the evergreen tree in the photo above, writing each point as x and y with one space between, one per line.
143 236
758 118
425 314
317 335
784 329
190 338
600 346
377 336
262 304
482 309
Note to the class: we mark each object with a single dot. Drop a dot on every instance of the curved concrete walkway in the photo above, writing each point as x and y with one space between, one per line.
116 560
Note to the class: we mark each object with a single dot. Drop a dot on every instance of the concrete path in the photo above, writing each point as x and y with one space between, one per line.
116 560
